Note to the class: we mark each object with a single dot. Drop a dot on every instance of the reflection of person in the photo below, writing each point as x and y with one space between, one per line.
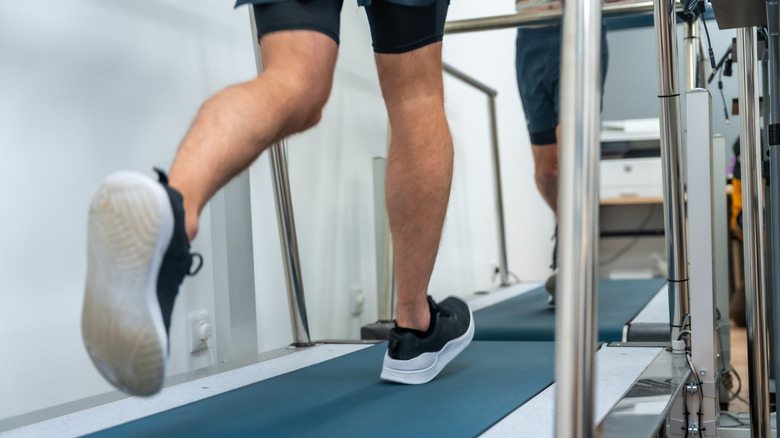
140 229
737 301
538 54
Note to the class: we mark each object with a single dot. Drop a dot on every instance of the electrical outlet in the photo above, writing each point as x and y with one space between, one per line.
199 330
357 300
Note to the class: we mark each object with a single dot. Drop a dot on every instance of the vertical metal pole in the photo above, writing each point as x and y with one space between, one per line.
701 215
503 265
772 117
284 215
671 159
769 216
692 42
753 225
577 319
385 269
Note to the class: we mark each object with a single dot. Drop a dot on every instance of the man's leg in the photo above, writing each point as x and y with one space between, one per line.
419 172
546 171
238 123
427 335
139 229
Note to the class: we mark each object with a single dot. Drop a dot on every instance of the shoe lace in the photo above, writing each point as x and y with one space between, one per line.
193 256
436 309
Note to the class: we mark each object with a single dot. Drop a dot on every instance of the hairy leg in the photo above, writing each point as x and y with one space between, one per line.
419 172
237 124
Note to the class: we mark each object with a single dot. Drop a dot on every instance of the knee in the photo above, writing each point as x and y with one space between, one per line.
546 172
305 97
311 119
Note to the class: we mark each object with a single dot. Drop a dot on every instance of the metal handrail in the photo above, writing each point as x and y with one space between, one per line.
542 17
491 94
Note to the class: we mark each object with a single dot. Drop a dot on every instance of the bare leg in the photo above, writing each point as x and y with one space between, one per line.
419 172
546 171
238 123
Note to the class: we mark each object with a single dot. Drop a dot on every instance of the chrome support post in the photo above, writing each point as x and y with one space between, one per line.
503 264
753 226
772 119
672 163
491 94
385 269
284 214
576 312
692 45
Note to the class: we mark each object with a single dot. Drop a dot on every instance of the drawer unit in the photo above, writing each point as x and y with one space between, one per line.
631 178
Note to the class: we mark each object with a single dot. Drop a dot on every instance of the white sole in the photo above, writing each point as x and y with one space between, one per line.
129 229
423 368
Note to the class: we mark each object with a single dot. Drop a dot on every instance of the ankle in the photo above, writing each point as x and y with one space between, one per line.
415 316
191 207
191 225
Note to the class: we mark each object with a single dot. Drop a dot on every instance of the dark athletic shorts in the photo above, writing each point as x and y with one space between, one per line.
397 26
538 64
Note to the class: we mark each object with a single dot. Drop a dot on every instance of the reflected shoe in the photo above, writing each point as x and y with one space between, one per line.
138 255
552 281
415 357
550 285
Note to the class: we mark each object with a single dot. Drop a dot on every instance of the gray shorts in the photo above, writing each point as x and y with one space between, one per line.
538 60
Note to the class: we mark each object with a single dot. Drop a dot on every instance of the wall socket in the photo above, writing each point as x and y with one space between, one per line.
200 330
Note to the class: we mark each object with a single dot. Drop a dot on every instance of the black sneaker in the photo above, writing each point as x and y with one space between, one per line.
138 255
415 357
552 281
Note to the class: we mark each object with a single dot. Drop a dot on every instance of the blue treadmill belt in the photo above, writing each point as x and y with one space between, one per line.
528 317
344 397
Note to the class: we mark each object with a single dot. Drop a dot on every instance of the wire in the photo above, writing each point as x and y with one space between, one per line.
726 56
211 351
722 97
685 320
497 271
698 382
684 332
633 242
709 45
734 417
739 385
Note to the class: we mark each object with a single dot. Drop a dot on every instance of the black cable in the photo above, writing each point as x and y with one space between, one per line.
631 244
722 97
739 384
709 45
726 56
698 382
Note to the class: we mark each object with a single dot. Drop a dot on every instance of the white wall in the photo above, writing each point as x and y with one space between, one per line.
632 84
88 87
